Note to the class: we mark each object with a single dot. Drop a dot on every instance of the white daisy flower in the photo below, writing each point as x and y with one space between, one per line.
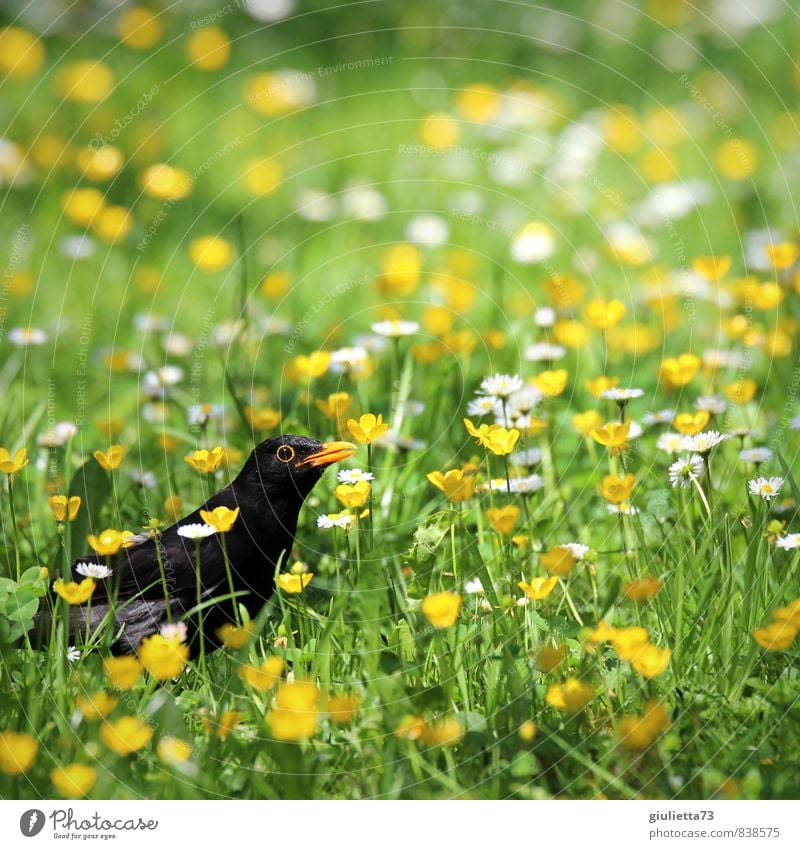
624 509
335 520
200 414
577 549
529 457
617 394
144 478
345 359
473 587
714 404
788 542
395 329
73 654
658 417
354 476
315 205
197 530
755 455
767 488
682 472
525 399
174 631
145 322
484 406
427 229
544 317
94 570
794 423
22 337
501 385
544 352
670 442
702 443
58 435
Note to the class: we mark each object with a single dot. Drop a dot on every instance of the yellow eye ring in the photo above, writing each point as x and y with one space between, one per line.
285 453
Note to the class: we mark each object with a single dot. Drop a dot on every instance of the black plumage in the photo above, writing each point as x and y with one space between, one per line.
269 492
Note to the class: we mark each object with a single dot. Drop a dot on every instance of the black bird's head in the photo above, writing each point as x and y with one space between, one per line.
292 465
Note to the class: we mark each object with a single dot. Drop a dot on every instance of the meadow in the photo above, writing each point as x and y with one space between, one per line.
540 265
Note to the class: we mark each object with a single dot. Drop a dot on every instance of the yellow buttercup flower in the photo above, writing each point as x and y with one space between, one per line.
639 731
97 705
558 560
777 636
782 255
598 385
166 182
9 465
262 177
63 507
712 268
612 435
295 711
741 391
585 423
334 406
550 657
312 365
442 609
353 495
528 731
690 424
100 163
293 584
208 48
445 732
107 542
503 519
651 661
538 588
163 657
173 750
21 53
500 440
111 459
615 489
126 735
17 752
603 315
72 592
87 81
439 130
675 372
139 28
222 519
235 636
124 671
456 485
572 696
204 460
73 780
628 642
551 383
642 589
224 724
264 418
368 428
211 253
264 677
343 708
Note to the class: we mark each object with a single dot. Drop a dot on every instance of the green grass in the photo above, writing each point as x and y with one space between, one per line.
359 628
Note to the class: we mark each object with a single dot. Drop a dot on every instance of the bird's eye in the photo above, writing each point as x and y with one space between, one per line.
285 453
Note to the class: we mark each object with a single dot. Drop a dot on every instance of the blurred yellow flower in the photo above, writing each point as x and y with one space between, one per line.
72 592
163 657
503 519
551 383
173 750
400 270
123 671
598 385
479 102
585 423
263 677
100 163
639 731
456 485
126 735
650 660
295 710
712 268
110 459
97 705
166 182
343 708
63 507
312 365
550 657
777 636
87 81
17 752
782 255
442 609
139 28
210 253
603 315
675 372
235 636
264 418
572 696
73 780
21 53
439 130
262 177
206 461
334 406
528 731
741 391
538 588
616 490
559 560
222 519
9 465
107 542
690 424
368 428
208 48
224 724
642 589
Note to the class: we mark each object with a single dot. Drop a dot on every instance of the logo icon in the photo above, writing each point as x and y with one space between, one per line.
31 822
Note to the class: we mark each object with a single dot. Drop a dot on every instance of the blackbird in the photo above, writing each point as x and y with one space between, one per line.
269 492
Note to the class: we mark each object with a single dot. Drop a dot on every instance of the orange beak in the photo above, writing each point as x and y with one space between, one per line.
331 452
